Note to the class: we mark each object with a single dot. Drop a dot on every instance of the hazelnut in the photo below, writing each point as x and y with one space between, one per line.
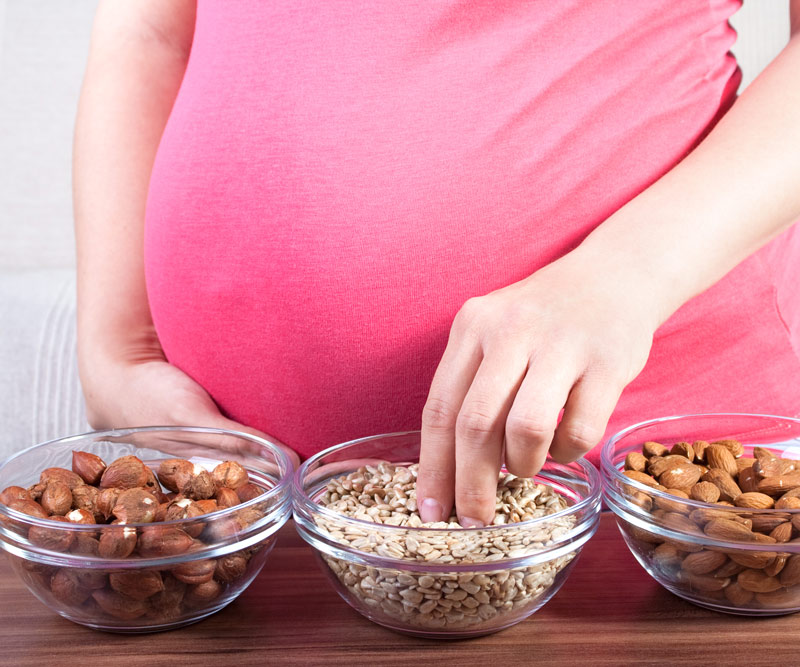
60 475
226 497
29 507
36 490
200 485
137 584
230 567
86 497
89 467
79 516
13 493
85 545
207 506
201 594
117 541
119 606
174 473
160 541
53 539
184 508
135 506
248 492
56 498
106 499
167 602
67 589
154 486
91 579
126 472
230 474
195 571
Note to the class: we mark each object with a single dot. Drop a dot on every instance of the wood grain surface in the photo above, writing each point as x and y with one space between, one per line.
609 612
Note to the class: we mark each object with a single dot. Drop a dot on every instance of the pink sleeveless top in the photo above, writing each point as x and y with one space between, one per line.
337 178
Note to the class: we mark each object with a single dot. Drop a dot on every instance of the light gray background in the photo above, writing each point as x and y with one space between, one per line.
43 48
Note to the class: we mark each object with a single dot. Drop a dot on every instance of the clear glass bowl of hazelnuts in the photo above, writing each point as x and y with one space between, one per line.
145 529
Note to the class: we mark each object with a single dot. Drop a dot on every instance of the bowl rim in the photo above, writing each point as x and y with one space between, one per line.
610 473
302 501
281 487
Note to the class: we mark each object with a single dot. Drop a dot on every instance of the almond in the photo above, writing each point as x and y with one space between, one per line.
703 562
705 492
766 522
652 448
683 449
755 560
790 574
704 583
699 447
774 486
640 477
127 472
89 467
782 532
721 458
775 567
725 529
729 569
680 476
657 466
787 503
745 462
757 582
773 467
748 480
733 446
724 482
780 599
737 595
633 461
754 500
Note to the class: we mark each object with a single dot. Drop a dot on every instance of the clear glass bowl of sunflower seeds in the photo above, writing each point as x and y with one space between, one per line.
355 504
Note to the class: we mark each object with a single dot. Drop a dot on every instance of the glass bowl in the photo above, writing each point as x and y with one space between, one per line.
179 571
500 574
737 559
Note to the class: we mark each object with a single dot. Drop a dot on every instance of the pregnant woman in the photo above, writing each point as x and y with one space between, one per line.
518 225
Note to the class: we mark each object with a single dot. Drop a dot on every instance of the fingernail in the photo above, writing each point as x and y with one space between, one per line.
469 522
431 511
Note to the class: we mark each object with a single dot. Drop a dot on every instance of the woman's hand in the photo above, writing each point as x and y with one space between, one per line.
571 337
143 389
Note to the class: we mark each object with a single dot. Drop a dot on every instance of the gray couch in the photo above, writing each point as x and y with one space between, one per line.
43 45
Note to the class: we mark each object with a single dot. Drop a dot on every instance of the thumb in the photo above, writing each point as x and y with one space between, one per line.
220 421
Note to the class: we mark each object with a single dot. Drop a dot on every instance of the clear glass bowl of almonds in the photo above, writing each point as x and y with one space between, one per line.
143 529
710 507
355 504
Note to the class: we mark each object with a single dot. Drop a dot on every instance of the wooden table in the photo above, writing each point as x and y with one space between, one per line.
609 612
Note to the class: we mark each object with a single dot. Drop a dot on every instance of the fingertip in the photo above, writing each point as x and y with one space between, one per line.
431 510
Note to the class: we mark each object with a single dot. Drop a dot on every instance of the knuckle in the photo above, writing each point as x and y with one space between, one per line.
528 428
474 424
438 414
581 436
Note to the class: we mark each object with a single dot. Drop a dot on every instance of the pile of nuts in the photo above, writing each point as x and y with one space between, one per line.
719 475
432 598
133 500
